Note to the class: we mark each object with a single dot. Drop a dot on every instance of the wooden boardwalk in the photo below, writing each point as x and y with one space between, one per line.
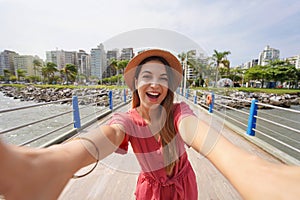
112 183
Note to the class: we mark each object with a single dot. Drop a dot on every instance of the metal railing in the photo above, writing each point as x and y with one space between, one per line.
275 129
80 113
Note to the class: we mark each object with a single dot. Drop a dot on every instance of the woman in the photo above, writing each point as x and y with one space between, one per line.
157 129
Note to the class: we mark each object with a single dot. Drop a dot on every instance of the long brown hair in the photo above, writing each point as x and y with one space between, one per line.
168 131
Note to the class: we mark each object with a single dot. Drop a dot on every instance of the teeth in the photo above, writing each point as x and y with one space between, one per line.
153 93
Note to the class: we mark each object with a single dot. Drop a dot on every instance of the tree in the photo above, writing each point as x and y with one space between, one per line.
258 72
7 74
70 72
187 59
48 71
119 65
220 58
36 66
20 73
282 71
298 78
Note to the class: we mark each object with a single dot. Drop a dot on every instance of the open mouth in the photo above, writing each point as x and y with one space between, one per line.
153 95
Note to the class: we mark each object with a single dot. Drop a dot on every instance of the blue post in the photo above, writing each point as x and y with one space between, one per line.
110 100
252 118
76 114
125 95
195 97
187 93
211 105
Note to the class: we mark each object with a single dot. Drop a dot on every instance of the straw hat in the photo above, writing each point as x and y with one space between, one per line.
129 73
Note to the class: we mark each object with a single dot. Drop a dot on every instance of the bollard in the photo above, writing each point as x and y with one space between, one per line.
211 105
187 93
110 100
252 118
195 96
125 94
76 114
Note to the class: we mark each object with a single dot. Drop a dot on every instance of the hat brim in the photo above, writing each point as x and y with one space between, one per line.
174 64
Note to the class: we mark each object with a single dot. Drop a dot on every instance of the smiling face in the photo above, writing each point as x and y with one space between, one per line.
152 84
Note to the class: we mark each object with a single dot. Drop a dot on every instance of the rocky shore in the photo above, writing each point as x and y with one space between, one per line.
99 96
243 99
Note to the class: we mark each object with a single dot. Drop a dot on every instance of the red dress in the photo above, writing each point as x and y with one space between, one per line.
153 182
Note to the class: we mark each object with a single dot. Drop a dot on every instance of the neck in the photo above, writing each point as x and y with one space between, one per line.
149 113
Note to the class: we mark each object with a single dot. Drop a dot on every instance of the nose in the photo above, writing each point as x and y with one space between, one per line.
154 84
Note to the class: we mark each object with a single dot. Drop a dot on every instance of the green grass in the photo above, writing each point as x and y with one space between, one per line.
278 91
66 86
269 90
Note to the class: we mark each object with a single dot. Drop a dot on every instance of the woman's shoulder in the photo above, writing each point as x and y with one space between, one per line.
179 106
181 109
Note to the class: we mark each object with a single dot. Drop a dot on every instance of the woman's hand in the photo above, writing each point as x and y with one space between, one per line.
31 173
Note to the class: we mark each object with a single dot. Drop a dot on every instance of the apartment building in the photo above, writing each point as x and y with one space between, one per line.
267 55
7 61
294 60
98 61
83 61
25 62
61 58
126 53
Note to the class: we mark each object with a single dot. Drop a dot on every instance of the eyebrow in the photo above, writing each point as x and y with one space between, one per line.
149 72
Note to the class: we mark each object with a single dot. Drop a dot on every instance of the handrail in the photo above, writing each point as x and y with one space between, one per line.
116 102
283 126
289 143
34 122
44 135
33 105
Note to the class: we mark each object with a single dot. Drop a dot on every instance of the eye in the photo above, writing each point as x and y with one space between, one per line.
146 76
164 78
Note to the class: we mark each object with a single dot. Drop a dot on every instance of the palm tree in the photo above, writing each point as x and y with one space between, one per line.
220 58
114 64
121 66
36 66
7 74
118 65
49 70
20 73
187 59
70 72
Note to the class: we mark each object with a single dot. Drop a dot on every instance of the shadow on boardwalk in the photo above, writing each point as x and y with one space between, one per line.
107 183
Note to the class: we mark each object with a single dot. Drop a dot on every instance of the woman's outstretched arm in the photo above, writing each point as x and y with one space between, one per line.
252 176
28 173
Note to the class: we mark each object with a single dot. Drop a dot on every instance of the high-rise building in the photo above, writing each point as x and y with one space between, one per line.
294 60
126 54
25 62
112 54
61 58
267 55
7 61
98 61
83 60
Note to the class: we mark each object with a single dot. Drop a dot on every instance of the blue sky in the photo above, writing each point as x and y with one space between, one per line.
242 27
